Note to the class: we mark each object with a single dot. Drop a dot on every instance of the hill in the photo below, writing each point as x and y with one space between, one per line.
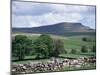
63 28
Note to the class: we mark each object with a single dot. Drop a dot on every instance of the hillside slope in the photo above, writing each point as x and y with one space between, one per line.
63 28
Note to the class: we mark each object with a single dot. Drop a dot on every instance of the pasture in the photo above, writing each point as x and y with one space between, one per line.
70 42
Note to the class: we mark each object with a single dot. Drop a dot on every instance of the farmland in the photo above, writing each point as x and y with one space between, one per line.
70 42
73 42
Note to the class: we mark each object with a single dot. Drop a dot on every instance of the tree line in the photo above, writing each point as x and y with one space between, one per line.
84 49
43 47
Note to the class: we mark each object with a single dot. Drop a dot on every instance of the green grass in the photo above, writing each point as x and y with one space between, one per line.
77 55
85 67
77 42
69 42
72 42
34 61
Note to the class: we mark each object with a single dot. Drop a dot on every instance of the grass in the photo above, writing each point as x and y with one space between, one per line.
72 42
85 67
77 42
34 61
76 55
61 56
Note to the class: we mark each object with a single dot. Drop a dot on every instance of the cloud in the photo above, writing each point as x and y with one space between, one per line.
23 21
45 19
89 21
30 14
29 8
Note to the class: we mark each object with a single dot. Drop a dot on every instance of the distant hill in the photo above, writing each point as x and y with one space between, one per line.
63 28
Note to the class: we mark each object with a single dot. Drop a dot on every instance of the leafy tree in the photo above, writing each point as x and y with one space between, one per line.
84 49
43 46
41 49
20 46
58 48
29 47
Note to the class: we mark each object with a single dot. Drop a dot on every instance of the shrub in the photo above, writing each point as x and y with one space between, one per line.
84 49
73 51
84 39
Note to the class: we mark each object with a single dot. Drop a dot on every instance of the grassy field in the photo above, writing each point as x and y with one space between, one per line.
61 56
73 42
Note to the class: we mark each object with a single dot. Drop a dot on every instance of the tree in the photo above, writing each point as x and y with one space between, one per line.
29 47
73 51
41 49
84 39
58 48
87 39
43 46
84 49
20 46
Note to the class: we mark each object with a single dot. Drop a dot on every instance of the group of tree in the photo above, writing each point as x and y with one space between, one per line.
84 49
43 47
87 39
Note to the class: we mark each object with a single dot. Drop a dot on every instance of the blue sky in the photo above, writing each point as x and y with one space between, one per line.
31 14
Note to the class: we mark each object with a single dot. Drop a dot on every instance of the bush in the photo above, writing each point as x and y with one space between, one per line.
87 39
73 51
84 49
84 39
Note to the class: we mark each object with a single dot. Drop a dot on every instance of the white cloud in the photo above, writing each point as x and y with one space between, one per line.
89 21
45 19
22 21
29 14
69 8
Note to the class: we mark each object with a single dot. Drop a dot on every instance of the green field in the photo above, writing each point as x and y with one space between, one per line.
72 42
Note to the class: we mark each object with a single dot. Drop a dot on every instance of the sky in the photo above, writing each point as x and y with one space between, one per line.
33 14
